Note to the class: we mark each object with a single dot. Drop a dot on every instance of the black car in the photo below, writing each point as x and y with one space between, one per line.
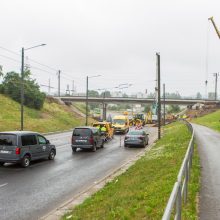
136 138
23 147
87 138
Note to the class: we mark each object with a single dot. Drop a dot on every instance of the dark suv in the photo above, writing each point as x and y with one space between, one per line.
87 138
23 147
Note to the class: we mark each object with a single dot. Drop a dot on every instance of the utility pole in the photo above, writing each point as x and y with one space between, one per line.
164 106
49 87
158 95
104 107
87 93
58 82
216 83
73 90
22 89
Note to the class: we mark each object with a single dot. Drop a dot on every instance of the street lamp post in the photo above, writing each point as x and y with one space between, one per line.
22 82
87 95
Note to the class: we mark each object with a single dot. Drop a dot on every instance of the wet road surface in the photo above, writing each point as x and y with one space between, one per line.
33 192
209 150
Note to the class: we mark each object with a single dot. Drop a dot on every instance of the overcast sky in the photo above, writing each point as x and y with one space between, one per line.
117 39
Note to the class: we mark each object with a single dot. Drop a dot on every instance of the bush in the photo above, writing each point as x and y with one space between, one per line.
11 86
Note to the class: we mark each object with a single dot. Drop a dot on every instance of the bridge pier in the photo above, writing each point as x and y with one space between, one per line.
104 111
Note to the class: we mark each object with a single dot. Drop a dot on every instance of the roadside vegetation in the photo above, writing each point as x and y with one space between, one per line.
51 117
11 86
143 190
80 106
211 120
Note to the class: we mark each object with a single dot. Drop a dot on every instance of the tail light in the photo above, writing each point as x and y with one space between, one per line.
91 140
18 150
72 139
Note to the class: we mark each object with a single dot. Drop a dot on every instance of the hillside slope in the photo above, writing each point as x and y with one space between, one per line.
52 117
211 120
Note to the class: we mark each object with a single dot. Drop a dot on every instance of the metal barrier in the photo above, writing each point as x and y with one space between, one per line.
180 189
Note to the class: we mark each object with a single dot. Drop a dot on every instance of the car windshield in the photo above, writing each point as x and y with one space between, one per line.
82 132
8 139
119 121
135 133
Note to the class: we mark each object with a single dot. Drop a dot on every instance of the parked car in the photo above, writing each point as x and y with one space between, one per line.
87 138
23 147
136 138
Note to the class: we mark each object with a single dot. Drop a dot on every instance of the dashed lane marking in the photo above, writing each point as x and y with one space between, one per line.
2 185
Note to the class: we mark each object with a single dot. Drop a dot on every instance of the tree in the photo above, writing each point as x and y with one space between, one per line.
93 93
11 86
1 71
173 109
198 95
107 94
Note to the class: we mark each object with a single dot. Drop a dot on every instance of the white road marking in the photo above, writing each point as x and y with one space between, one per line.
2 185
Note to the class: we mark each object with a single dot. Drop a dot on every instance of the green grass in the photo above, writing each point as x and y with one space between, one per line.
52 117
143 190
211 120
80 106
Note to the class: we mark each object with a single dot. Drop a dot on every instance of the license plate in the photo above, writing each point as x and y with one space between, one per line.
82 141
4 151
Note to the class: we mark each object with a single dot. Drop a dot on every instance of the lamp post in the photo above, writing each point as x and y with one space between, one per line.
22 82
87 95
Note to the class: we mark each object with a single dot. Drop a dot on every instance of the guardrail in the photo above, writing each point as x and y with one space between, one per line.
180 189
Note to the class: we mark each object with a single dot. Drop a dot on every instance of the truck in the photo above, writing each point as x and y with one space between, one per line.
120 123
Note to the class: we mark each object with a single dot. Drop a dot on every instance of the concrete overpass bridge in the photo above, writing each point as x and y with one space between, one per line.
118 100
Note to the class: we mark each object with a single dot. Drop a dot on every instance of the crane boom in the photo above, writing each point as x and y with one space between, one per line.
216 29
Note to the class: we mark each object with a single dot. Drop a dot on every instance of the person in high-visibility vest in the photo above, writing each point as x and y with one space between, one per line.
103 129
98 127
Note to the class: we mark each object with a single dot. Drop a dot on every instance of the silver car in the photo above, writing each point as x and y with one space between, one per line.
136 138
23 147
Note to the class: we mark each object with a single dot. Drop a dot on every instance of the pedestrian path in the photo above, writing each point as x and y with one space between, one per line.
209 150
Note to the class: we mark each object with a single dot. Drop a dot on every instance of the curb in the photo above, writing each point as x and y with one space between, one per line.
57 132
67 206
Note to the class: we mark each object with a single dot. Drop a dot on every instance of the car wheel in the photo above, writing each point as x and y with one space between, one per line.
74 149
2 163
125 145
94 147
51 155
25 162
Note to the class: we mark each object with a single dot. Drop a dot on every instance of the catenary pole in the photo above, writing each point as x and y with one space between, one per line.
158 95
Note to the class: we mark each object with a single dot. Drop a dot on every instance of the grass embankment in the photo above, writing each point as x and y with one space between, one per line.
211 120
80 106
143 190
52 117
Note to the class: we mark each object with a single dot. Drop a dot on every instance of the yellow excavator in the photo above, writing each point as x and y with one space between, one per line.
216 29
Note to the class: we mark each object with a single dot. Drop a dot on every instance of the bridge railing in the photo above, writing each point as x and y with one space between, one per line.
179 193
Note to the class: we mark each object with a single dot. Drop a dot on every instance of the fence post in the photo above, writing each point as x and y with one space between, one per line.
178 203
186 181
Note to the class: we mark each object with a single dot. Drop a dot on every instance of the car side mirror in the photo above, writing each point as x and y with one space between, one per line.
47 142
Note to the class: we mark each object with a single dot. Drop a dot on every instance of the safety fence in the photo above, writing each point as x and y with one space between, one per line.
178 195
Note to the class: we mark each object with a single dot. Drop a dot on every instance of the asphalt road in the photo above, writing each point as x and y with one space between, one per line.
33 192
209 150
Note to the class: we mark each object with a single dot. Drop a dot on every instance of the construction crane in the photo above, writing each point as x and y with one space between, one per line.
216 29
